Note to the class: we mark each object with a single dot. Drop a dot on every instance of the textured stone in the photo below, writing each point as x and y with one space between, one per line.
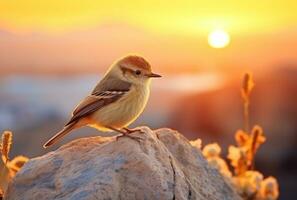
162 166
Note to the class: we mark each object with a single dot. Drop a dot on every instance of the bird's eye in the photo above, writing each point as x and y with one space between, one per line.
137 72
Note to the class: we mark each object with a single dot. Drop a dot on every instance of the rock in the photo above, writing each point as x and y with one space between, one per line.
163 165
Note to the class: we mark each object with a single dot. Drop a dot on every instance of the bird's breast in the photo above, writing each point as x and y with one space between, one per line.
124 111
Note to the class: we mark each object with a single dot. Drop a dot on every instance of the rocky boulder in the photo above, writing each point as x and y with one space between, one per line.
163 165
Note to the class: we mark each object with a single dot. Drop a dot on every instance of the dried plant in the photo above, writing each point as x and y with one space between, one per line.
6 144
5 177
17 163
212 153
8 168
247 86
196 143
268 189
238 159
256 139
249 183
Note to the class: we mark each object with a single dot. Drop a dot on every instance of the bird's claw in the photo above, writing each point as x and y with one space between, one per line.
133 130
138 139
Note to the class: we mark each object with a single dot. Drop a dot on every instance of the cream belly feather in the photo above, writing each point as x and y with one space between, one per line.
122 112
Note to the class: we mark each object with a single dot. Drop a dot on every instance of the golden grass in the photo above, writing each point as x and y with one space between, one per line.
249 183
6 144
246 89
8 168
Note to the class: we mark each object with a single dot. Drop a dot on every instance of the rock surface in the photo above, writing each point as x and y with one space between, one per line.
162 166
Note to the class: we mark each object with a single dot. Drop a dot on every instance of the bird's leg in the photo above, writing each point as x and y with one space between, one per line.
124 133
132 130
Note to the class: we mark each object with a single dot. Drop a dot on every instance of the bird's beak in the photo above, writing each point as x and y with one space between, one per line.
153 75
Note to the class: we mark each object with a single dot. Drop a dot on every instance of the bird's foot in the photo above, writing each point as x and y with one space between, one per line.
129 131
138 139
133 130
126 133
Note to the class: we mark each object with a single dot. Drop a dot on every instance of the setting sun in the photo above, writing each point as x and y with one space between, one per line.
218 39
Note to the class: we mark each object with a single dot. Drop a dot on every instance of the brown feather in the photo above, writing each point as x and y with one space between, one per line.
59 135
111 83
136 61
91 104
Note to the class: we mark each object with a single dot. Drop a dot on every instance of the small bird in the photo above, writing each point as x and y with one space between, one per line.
116 101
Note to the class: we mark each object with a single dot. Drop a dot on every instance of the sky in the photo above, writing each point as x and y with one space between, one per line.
85 36
161 16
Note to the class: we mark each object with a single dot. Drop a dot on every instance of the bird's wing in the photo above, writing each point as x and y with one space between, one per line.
111 83
94 102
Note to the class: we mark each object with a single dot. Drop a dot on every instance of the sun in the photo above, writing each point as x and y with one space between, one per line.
218 38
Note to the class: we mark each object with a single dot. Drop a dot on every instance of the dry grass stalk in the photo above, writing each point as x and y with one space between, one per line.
6 145
241 138
248 182
257 138
5 176
247 86
17 163
8 168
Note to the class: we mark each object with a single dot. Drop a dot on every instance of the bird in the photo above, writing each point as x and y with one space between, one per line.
116 101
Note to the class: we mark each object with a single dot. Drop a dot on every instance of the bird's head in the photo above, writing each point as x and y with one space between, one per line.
133 69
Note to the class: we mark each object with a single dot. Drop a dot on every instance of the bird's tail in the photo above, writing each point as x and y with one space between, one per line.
59 135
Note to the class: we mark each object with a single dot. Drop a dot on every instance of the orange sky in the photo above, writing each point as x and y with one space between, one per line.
86 35
165 16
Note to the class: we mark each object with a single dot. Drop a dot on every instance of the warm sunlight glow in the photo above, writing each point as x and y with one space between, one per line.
193 17
218 39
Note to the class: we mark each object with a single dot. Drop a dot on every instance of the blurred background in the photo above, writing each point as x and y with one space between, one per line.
53 52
